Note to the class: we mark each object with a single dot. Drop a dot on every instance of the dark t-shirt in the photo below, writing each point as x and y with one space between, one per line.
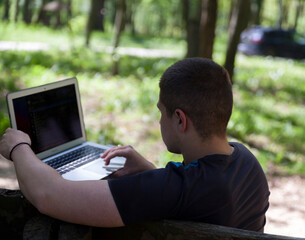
229 190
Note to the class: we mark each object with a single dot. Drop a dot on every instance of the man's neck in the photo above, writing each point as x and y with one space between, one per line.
196 150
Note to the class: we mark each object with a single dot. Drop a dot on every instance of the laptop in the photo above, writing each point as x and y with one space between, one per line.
52 116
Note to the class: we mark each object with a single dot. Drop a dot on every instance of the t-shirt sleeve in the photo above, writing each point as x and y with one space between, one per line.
150 195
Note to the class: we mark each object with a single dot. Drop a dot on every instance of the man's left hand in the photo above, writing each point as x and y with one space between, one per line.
10 138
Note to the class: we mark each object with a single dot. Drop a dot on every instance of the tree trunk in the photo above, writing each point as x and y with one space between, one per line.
58 14
95 19
27 13
207 28
69 9
191 16
130 14
6 14
233 3
119 22
283 12
89 27
98 23
238 23
42 13
286 8
257 12
17 10
162 22
298 11
280 20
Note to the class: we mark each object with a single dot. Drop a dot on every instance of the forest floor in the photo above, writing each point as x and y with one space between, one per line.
286 214
131 51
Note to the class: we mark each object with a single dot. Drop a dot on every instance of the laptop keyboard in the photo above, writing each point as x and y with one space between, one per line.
69 161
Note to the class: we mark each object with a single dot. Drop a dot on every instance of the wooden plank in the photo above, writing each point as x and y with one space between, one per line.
43 227
208 231
170 230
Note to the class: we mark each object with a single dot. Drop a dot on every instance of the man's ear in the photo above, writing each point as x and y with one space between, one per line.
181 120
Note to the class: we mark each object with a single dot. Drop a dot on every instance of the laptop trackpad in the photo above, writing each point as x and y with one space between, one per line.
96 166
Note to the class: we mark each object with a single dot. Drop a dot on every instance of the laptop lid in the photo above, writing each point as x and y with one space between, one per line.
50 114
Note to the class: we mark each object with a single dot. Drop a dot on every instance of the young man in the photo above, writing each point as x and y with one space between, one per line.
218 182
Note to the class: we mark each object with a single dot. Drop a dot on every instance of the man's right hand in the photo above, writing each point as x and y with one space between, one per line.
134 161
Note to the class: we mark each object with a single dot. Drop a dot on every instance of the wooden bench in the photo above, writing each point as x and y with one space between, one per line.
20 219
43 227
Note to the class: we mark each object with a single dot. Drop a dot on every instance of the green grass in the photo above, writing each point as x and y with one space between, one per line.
74 37
268 113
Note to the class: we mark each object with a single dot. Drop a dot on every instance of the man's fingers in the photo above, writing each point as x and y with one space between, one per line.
114 152
117 151
110 150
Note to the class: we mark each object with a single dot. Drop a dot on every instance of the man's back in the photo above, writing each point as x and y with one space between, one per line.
229 190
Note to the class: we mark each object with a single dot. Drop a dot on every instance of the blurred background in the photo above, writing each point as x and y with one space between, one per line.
119 49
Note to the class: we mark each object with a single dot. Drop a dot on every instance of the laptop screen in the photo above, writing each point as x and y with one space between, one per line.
51 117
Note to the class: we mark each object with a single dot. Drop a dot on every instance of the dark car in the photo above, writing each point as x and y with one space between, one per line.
258 40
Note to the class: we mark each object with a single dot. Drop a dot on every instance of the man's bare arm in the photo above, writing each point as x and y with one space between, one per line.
82 202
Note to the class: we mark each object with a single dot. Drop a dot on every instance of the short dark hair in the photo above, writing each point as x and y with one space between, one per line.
203 90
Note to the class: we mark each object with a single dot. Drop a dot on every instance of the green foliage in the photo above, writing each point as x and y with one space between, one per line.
168 21
269 111
7 84
34 33
77 24
4 122
271 13
165 157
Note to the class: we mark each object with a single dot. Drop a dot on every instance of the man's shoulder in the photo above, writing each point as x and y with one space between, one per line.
239 146
240 150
